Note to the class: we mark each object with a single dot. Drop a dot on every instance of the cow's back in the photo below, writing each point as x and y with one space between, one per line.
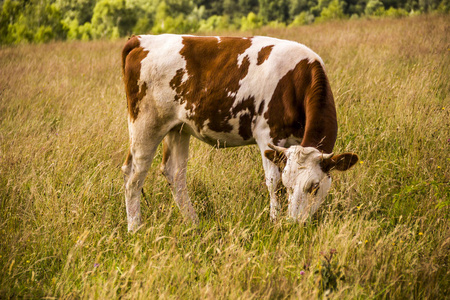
219 87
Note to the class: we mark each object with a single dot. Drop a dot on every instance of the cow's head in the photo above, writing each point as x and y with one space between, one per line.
306 175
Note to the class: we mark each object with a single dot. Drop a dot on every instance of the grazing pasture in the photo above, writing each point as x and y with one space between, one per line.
383 231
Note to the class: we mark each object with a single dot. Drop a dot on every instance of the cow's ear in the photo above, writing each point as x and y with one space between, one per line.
341 162
277 157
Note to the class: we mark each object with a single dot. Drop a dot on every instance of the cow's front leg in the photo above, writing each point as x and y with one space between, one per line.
273 177
174 167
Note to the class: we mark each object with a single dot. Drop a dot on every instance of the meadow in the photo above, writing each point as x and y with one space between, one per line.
382 233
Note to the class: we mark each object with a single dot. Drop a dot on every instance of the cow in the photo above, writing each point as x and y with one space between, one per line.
229 92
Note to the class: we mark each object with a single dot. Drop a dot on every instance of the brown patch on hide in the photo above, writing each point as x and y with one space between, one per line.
303 106
245 120
213 76
132 56
263 54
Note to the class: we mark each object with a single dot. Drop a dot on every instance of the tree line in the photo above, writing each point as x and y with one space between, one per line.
46 20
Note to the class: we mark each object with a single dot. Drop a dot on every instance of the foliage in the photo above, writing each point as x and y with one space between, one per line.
333 11
165 22
396 12
374 7
214 23
271 10
112 19
444 6
32 21
251 22
44 20
304 18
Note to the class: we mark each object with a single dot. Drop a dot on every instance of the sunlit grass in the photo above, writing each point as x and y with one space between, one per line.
63 138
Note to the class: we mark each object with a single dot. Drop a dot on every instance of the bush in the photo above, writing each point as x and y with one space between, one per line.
175 25
276 24
85 31
43 34
444 6
252 21
143 25
165 23
19 31
272 10
374 8
214 23
112 19
396 12
304 18
333 11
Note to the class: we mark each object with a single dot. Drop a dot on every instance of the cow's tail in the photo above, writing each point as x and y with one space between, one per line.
132 56
133 42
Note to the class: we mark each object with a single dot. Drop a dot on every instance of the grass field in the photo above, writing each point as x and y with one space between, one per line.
383 232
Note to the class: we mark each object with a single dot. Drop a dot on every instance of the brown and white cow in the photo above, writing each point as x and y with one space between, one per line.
230 92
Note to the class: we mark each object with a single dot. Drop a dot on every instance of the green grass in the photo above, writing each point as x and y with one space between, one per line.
63 138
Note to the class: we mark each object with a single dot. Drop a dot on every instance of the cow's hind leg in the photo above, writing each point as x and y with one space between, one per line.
135 170
174 167
127 167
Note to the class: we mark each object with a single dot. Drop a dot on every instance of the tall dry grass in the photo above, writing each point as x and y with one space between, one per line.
62 216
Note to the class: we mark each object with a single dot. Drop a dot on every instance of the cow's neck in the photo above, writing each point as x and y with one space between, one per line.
320 114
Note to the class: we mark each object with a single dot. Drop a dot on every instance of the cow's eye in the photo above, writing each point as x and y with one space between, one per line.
313 189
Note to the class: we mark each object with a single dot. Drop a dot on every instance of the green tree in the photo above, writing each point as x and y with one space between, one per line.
396 12
374 7
214 23
230 7
317 9
161 17
112 18
444 6
211 7
11 11
32 21
299 6
165 22
304 18
333 11
355 7
252 21
80 10
247 6
274 10
239 8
